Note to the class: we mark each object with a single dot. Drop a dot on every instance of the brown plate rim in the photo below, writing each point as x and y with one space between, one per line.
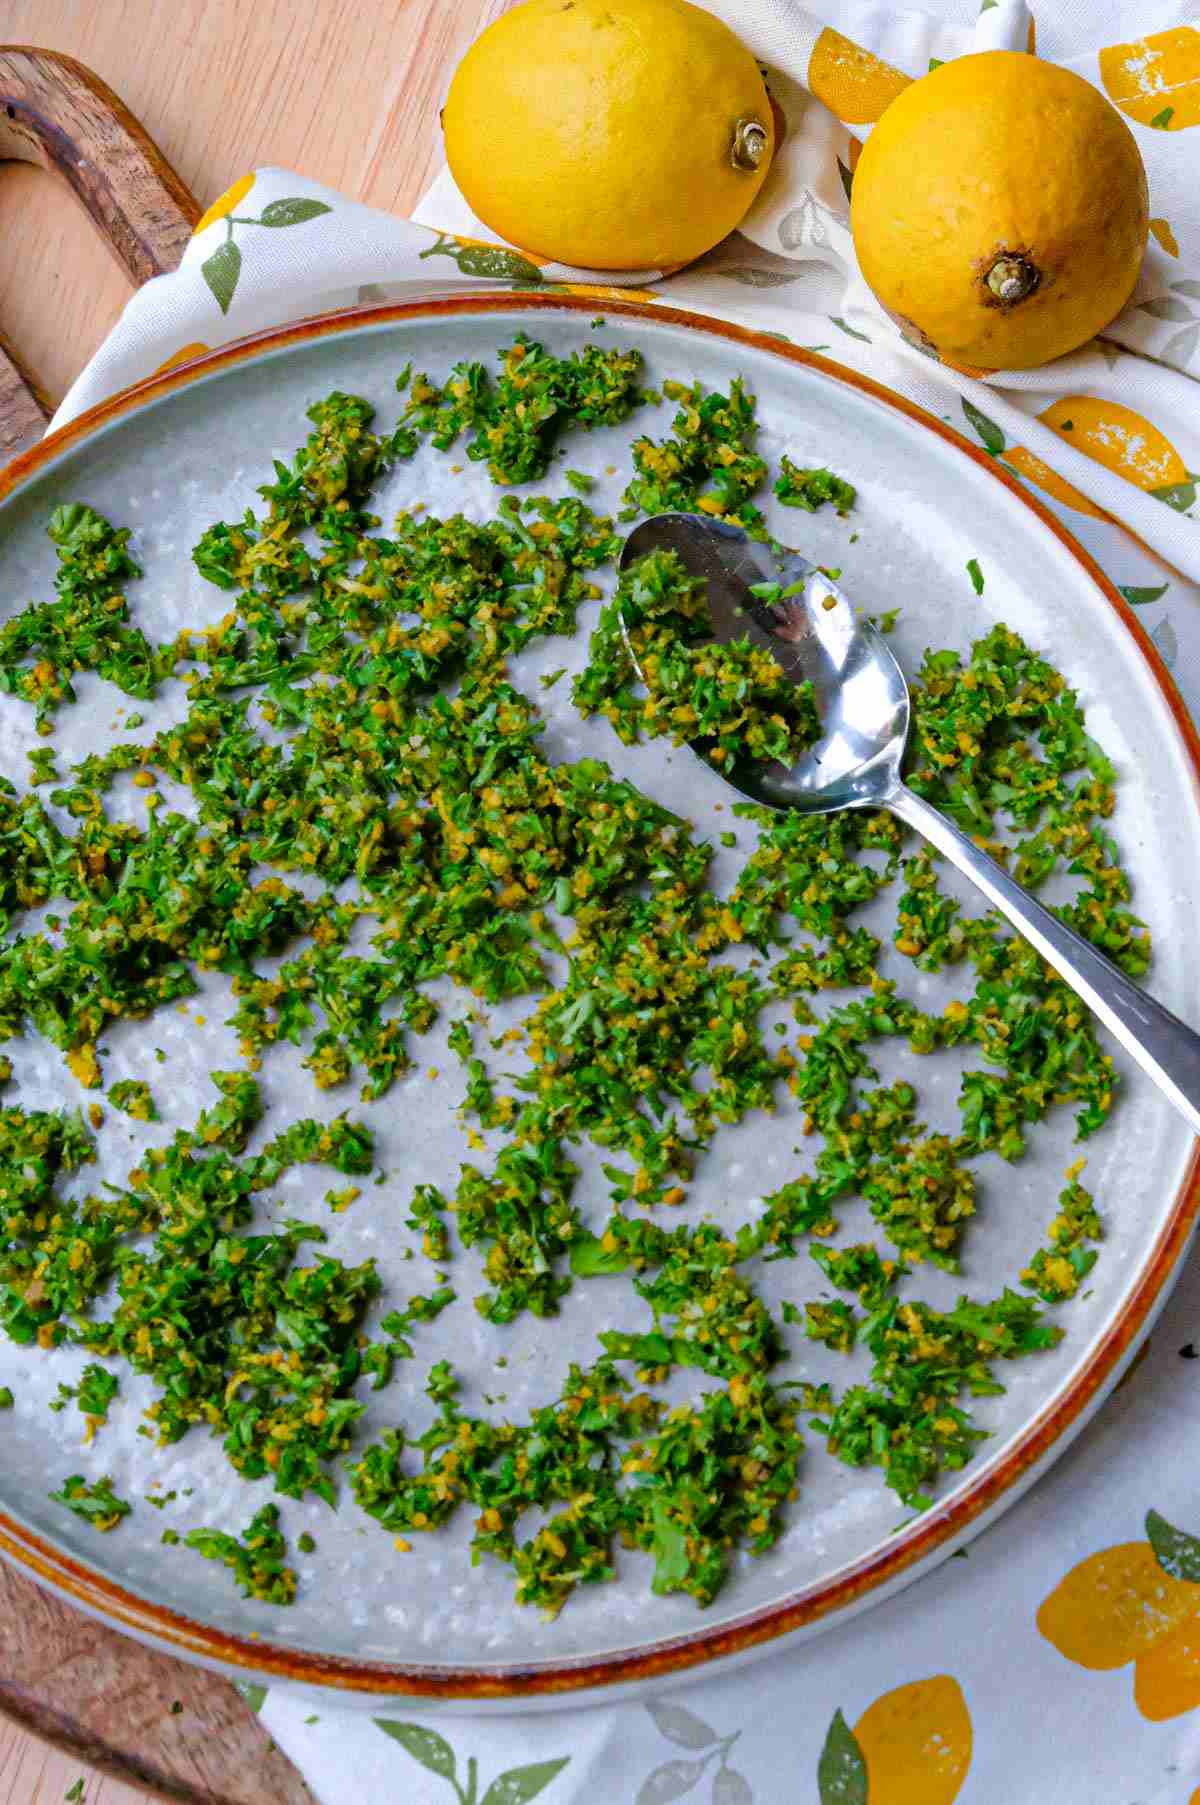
103 1597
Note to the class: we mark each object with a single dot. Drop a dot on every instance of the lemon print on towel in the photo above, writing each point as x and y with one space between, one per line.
911 1747
853 84
220 209
222 270
184 355
1164 236
1034 469
1139 1602
1125 443
1156 80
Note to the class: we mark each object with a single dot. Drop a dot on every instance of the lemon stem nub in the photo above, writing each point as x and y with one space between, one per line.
749 144
1012 279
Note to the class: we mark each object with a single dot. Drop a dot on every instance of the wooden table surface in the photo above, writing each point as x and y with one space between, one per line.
346 91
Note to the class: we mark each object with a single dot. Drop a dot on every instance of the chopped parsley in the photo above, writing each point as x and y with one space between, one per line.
258 1560
1057 1271
654 668
812 489
88 626
517 418
709 466
374 813
95 1502
96 1391
133 1096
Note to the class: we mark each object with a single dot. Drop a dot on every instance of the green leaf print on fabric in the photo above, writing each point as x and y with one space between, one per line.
1181 349
1180 496
425 1746
750 276
223 269
521 1783
1165 307
841 1771
681 1726
487 260
670 1781
1166 642
291 212
731 1788
221 272
1176 1552
990 434
514 1787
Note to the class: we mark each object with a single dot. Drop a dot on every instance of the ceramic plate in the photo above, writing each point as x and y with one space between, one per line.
191 447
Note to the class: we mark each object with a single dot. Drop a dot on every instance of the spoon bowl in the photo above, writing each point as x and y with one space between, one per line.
811 629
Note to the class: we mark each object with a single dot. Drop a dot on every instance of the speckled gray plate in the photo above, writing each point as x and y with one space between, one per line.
190 447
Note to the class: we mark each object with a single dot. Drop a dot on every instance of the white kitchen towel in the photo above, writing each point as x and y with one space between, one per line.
968 1686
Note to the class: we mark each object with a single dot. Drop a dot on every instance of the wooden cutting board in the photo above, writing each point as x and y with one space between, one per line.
163 1727
347 91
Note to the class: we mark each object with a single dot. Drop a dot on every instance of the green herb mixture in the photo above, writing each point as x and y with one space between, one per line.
372 810
729 700
257 1562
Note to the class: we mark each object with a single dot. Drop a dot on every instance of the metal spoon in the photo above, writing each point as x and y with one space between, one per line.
862 699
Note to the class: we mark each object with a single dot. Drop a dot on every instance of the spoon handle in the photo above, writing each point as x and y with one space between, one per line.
1166 1048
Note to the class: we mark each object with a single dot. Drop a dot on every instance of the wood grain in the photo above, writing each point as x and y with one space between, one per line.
59 117
24 405
121 1708
347 91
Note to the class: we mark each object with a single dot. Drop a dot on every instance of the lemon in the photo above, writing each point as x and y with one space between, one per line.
916 1743
1124 442
1000 211
1035 470
1114 1606
853 83
1156 80
612 134
1167 1676
225 205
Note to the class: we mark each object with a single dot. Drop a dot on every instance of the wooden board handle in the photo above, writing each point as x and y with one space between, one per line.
149 1719
55 113
24 405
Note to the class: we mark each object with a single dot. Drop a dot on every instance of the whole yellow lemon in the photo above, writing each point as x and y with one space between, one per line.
614 134
999 209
